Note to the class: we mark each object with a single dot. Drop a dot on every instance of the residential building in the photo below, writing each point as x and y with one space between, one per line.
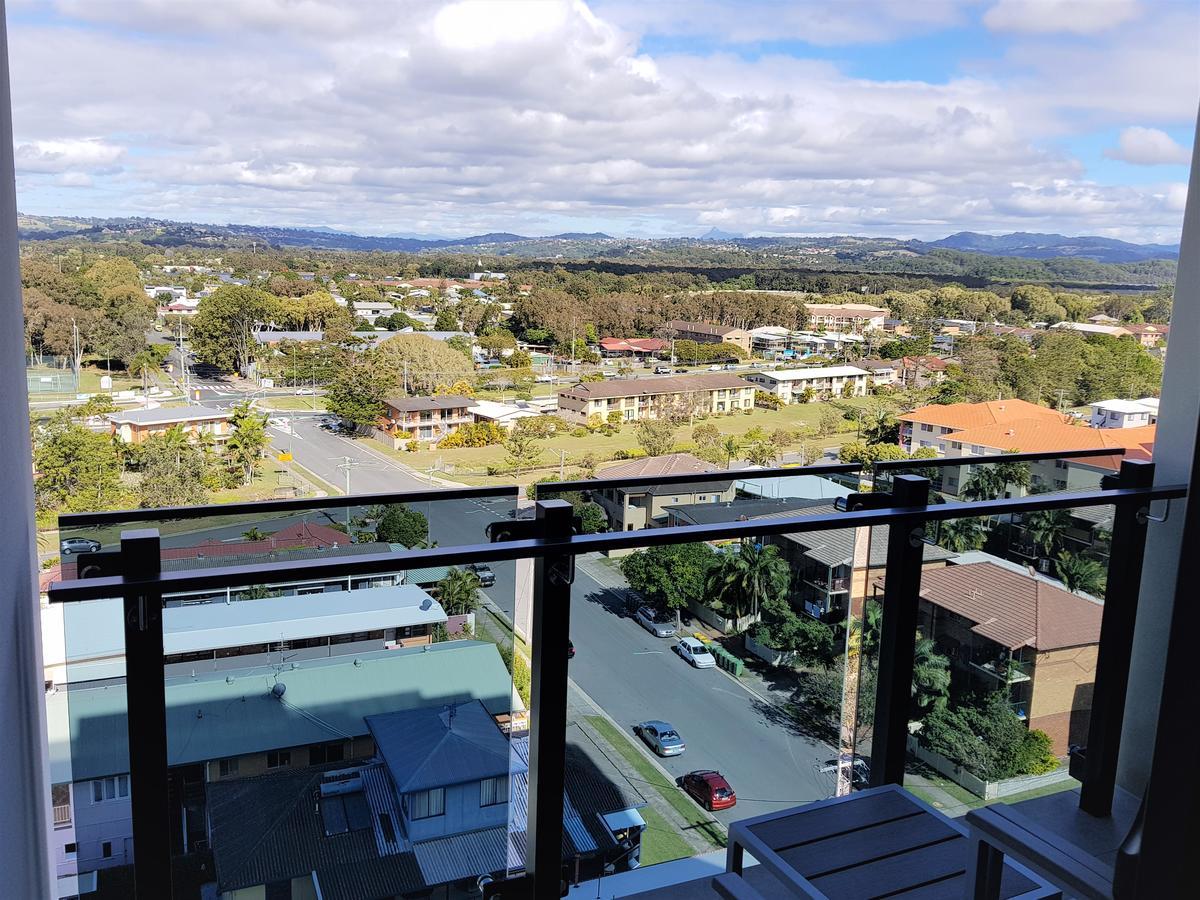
922 371
1092 328
649 398
425 418
707 333
372 309
854 317
1148 334
632 348
884 372
506 415
925 426
1005 629
1124 413
789 385
631 508
134 426
770 341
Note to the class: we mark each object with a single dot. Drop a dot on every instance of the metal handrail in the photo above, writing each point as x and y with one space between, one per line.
885 465
378 563
599 484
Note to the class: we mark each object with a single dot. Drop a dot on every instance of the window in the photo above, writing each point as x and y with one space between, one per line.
427 804
71 848
493 790
925 427
227 767
106 849
326 753
277 759
104 789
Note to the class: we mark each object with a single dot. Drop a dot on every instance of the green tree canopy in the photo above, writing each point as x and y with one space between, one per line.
401 525
655 436
425 362
223 327
668 577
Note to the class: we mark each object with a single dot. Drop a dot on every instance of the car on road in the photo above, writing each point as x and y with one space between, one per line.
483 572
78 545
545 379
661 737
681 371
695 653
730 367
708 788
662 370
305 392
655 622
860 770
714 368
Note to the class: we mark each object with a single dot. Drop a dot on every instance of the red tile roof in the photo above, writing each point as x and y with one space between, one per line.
973 415
638 345
301 535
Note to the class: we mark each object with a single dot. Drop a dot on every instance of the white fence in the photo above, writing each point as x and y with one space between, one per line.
988 790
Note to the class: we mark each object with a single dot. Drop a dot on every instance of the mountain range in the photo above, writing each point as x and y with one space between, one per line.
157 232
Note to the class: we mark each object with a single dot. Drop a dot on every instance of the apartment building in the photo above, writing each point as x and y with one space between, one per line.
425 418
854 317
631 508
707 333
789 385
652 398
134 426
1148 334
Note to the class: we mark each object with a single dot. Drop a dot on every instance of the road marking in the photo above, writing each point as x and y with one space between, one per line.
646 652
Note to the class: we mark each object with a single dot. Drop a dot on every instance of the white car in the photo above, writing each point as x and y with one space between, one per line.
654 622
714 368
545 379
695 653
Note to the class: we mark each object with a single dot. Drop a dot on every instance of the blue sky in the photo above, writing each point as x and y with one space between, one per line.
911 119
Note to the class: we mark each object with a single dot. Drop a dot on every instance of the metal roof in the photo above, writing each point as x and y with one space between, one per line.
168 415
817 372
234 712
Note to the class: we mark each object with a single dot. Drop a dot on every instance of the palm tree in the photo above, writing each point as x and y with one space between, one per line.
962 535
458 592
249 438
752 576
761 453
1080 574
931 677
1047 527
254 533
731 448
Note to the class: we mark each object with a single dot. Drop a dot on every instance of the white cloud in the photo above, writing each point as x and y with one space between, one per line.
1148 147
1066 16
62 156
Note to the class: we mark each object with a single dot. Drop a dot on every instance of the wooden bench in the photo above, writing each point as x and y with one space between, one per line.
881 842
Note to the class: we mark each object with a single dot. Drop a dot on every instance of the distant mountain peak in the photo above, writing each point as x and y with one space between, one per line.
716 234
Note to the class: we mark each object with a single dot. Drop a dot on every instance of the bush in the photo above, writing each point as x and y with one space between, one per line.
767 400
579 432
522 677
479 434
1036 756
633 453
988 740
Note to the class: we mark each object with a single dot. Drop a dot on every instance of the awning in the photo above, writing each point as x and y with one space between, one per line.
623 820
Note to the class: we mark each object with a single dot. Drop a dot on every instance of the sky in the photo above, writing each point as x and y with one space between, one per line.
902 118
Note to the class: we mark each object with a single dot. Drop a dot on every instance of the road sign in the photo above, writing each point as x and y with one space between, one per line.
285 457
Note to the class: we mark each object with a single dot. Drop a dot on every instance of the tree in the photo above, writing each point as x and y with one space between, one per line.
518 359
1047 527
829 421
173 472
746 578
808 395
254 533
357 392
420 361
668 577
77 470
931 678
767 400
1080 574
461 344
987 739
962 535
522 450
404 526
762 453
655 436
730 449
990 480
247 441
222 329
458 592
445 320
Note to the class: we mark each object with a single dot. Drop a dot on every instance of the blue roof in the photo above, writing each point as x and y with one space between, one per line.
439 746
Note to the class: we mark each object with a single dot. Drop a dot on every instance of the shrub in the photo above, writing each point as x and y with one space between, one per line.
767 400
632 453
1036 756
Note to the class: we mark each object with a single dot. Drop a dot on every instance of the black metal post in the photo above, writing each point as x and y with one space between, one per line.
901 597
552 575
146 698
1126 553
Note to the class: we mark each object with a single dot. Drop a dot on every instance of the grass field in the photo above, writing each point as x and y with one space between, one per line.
649 776
660 842
469 465
297 404
89 381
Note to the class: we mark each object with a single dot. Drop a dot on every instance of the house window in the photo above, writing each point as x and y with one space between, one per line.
227 767
326 753
493 790
71 848
106 849
277 759
104 789
925 427
427 804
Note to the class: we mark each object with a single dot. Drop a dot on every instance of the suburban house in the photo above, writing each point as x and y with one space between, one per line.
198 422
1093 328
1147 334
707 333
645 506
845 316
922 371
883 372
239 723
372 309
632 348
1005 629
506 415
651 398
425 418
1125 413
789 385
442 801
770 340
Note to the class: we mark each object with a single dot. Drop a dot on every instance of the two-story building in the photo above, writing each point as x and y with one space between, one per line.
1124 413
646 506
198 422
790 385
881 372
1148 334
684 396
708 333
425 418
854 317
638 349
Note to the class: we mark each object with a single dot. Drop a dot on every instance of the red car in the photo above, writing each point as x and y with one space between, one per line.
708 788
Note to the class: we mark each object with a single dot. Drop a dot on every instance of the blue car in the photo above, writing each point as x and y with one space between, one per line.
660 737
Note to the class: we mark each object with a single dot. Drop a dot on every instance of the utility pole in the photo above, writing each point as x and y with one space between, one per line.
562 464
347 465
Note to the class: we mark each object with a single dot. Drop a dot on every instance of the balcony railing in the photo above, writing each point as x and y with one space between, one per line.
136 574
62 814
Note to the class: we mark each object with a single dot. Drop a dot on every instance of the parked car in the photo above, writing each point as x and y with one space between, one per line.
681 371
483 572
708 788
662 370
570 649
696 653
715 367
730 367
655 622
78 545
860 771
661 737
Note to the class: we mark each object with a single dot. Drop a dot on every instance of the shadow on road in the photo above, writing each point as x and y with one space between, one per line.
620 602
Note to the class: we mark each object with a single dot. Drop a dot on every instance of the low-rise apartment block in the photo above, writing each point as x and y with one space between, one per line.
136 425
845 316
425 418
789 385
652 398
646 506
707 333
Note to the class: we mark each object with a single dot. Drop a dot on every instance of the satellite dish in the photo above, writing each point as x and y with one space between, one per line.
278 690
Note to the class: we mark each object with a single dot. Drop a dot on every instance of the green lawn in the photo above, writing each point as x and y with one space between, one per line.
660 842
649 776
298 404
89 380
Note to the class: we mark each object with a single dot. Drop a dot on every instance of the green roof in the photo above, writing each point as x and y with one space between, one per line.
230 713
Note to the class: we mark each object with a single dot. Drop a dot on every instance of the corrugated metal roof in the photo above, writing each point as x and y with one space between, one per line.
168 415
462 855
231 713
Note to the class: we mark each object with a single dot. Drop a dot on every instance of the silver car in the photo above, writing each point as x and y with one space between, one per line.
660 737
655 622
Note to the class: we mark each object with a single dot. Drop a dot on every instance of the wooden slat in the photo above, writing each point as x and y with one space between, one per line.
1013 884
897 873
822 822
818 858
